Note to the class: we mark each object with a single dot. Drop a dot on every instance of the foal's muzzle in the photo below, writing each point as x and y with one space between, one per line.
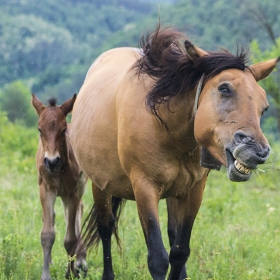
52 164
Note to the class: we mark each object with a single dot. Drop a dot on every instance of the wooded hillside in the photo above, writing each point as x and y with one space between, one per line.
49 45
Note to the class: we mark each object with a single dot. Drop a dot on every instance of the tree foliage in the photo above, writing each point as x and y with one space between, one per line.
15 101
51 44
271 83
18 146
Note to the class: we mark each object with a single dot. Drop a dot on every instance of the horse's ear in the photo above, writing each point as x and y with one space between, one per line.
262 69
37 104
67 106
193 51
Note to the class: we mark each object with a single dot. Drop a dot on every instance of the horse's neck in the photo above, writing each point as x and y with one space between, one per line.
179 120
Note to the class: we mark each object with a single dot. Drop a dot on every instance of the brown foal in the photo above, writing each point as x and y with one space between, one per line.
59 174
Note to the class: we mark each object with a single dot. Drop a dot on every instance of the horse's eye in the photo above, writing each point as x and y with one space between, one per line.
40 131
225 90
63 131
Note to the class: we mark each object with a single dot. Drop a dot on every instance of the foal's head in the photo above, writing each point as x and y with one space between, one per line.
52 126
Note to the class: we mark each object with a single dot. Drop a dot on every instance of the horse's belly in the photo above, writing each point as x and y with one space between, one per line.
99 160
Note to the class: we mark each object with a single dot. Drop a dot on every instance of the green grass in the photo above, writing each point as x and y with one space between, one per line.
236 234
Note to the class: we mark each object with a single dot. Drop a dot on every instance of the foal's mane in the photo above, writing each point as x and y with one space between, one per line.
52 101
167 62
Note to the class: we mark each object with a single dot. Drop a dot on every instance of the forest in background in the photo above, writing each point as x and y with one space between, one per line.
46 47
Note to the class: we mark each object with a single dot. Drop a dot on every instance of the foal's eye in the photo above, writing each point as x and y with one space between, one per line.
264 111
63 131
225 90
40 131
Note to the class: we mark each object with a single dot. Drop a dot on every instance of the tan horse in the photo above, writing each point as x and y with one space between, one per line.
59 175
139 124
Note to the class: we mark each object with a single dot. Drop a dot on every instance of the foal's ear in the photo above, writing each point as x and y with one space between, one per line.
262 69
193 51
67 106
37 104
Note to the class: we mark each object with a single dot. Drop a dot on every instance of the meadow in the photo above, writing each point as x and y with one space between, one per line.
236 234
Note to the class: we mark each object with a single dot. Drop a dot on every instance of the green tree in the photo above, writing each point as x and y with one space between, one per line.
18 146
272 83
15 100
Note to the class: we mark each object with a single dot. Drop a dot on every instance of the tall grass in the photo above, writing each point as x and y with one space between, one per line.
236 234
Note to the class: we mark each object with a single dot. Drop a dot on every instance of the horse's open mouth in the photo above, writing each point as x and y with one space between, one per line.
237 171
242 168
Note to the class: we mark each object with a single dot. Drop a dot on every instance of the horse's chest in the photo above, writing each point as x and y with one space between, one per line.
189 174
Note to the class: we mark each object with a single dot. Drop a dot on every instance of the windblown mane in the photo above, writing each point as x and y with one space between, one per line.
52 102
167 62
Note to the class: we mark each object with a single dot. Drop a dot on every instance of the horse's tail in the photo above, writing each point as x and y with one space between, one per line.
90 234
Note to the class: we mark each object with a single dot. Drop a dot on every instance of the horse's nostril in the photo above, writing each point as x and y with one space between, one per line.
51 164
264 153
55 161
240 136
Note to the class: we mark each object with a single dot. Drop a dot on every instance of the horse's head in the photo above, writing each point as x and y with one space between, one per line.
52 126
229 109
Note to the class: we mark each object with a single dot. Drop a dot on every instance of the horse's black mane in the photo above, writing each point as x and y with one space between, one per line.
167 62
52 101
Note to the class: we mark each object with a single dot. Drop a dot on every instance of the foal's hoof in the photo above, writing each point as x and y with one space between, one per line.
82 269
72 274
81 266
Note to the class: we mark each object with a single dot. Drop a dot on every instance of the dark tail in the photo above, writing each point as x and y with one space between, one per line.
90 234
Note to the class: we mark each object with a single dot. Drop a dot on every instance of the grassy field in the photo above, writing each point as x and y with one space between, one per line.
236 234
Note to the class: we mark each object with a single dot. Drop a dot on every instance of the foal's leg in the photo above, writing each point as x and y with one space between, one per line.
147 197
172 209
80 250
47 234
71 205
180 250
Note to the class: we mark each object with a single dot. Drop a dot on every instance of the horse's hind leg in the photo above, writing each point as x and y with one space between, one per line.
180 250
48 233
172 209
105 226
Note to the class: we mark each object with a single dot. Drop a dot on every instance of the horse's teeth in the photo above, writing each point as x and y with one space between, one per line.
242 168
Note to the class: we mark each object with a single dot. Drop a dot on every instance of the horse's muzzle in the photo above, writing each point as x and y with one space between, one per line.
244 155
52 164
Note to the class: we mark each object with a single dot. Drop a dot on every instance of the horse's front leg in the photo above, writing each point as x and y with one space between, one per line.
147 197
71 206
47 234
172 210
188 207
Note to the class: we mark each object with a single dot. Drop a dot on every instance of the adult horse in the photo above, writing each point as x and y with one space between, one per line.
59 174
139 124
